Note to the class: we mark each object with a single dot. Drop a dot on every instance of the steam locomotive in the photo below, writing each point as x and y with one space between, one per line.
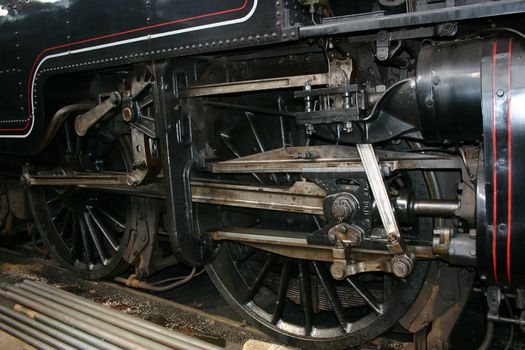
339 167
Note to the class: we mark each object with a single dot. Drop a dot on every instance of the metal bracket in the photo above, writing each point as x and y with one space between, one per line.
85 121
142 235
175 132
386 212
402 263
399 265
494 297
384 38
146 158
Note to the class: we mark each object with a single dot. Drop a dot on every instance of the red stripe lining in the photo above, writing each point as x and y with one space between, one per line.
494 160
158 25
509 155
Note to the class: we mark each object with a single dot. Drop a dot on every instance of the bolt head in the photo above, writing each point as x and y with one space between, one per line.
400 269
382 36
338 271
402 266
392 238
127 113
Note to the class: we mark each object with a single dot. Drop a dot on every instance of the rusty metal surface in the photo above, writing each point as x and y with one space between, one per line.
292 243
85 121
255 85
302 197
330 159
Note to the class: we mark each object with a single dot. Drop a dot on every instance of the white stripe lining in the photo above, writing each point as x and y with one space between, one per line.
124 42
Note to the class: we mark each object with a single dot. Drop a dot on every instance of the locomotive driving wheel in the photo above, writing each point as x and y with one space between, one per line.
85 230
295 300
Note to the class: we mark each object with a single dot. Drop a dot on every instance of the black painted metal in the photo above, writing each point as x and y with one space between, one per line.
178 154
449 91
500 240
85 35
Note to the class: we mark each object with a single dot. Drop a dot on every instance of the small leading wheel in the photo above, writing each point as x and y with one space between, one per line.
85 230
294 300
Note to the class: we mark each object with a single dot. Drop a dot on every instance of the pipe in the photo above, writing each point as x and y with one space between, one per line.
29 339
96 327
112 320
57 344
134 324
135 283
88 338
64 338
489 333
56 122
254 110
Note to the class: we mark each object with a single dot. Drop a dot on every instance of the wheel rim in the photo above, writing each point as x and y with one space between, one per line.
85 230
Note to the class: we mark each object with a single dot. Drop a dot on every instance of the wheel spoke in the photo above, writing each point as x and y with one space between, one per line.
282 290
75 239
306 296
113 220
331 294
257 139
59 213
53 200
356 284
85 243
67 223
105 231
226 140
246 256
260 277
95 239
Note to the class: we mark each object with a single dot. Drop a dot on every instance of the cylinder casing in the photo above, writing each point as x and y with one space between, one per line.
448 88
